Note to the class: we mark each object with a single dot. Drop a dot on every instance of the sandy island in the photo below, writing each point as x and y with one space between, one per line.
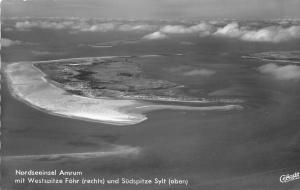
28 83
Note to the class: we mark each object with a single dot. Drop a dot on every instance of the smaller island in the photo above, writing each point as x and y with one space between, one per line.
277 56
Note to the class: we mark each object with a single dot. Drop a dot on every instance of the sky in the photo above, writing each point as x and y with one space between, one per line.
153 9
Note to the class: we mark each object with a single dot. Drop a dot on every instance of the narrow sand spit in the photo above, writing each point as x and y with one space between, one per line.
115 151
28 83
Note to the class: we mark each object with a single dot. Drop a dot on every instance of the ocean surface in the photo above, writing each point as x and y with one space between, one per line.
237 149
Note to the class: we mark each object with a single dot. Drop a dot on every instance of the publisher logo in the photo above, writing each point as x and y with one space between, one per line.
289 177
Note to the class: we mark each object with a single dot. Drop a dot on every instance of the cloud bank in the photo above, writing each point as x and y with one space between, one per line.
261 31
202 29
27 25
287 72
265 34
181 29
84 25
274 33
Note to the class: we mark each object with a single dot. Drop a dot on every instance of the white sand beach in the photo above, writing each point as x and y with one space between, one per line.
28 84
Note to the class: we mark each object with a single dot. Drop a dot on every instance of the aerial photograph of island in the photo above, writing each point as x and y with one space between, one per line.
150 95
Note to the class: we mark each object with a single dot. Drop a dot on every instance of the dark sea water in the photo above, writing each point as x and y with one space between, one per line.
244 149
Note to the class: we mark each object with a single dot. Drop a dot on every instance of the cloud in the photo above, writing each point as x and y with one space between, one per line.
181 29
247 31
231 30
155 36
103 27
76 25
136 27
199 72
27 25
84 25
274 33
5 42
288 72
203 29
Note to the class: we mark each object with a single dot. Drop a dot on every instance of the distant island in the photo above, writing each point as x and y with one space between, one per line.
277 56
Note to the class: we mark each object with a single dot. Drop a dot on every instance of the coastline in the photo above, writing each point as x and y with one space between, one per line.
29 85
113 106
